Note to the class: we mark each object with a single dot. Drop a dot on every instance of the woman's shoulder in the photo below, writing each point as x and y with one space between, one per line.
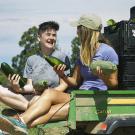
108 53
106 48
104 45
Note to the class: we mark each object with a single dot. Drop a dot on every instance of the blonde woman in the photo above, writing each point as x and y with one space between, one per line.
40 111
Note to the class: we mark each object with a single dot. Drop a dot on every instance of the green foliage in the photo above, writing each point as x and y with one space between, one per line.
30 44
3 79
132 20
111 22
75 50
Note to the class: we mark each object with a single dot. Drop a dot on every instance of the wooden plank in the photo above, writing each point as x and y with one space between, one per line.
85 101
121 101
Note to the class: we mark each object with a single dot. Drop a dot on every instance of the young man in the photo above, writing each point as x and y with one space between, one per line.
36 69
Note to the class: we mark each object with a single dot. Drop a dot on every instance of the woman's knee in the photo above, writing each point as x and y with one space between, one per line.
49 95
48 92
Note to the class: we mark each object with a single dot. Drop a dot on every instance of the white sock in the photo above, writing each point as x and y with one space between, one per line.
22 120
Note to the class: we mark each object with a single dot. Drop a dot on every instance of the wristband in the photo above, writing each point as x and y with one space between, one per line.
63 76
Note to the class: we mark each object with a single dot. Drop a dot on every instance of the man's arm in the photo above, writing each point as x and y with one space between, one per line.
28 88
14 80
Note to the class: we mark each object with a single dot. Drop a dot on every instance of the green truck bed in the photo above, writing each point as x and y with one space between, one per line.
110 109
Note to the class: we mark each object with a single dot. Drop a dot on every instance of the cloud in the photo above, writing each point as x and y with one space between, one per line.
17 16
9 49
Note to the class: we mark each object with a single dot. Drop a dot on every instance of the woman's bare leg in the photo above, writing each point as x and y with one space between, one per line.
13 100
44 103
33 100
57 112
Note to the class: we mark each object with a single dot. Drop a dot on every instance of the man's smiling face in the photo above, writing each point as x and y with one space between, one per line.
48 39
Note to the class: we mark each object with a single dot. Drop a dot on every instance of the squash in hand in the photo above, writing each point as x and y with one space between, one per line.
55 61
40 86
107 66
6 69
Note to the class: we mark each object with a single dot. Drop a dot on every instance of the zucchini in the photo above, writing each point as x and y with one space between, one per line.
40 86
6 69
107 66
55 61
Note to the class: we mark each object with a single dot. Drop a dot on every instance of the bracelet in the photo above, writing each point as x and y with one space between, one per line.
18 91
63 76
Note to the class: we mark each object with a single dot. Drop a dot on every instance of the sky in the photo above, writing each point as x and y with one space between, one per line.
16 16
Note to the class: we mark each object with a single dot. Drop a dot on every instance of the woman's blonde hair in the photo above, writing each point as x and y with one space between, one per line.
89 40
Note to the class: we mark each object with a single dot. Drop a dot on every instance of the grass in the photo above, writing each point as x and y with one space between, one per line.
4 108
36 131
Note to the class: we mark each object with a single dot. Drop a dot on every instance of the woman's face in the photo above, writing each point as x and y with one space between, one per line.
48 38
79 33
78 30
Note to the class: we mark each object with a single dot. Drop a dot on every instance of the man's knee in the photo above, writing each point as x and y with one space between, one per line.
3 91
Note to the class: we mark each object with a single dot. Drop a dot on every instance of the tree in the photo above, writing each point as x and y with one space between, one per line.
112 25
75 50
3 79
31 46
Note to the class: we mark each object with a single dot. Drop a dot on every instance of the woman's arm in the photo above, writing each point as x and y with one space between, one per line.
70 81
111 80
62 86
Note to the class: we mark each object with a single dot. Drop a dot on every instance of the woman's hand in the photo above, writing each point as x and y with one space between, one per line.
59 69
98 72
14 81
110 80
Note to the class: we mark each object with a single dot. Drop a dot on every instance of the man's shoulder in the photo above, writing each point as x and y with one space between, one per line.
34 57
59 53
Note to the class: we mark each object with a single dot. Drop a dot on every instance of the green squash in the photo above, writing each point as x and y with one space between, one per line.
40 86
107 66
55 61
6 69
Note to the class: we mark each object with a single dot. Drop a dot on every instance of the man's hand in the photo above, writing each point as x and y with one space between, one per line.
14 81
